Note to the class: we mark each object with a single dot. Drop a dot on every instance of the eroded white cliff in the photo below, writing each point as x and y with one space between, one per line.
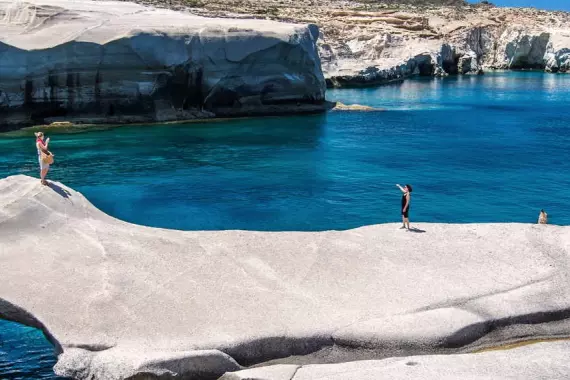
118 62
369 47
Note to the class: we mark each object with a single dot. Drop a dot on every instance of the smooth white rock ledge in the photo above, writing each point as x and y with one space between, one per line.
120 299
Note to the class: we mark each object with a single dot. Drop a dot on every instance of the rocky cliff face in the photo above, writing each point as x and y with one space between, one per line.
466 40
520 48
366 43
123 62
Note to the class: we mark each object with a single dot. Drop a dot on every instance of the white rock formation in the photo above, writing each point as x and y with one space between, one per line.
354 107
118 62
367 43
120 300
467 46
518 47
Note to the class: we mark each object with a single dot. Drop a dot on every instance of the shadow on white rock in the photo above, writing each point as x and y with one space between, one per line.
540 361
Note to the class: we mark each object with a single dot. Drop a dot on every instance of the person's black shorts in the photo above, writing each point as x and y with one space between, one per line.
405 213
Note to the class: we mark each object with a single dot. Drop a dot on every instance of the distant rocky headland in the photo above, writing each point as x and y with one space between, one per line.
371 42
119 62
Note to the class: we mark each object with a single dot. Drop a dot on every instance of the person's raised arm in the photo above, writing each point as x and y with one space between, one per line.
401 188
42 147
47 142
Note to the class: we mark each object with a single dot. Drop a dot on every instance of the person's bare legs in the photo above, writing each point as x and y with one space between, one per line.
407 223
43 174
403 222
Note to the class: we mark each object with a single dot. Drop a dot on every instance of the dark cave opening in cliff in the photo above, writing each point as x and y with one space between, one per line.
426 69
40 112
523 64
451 67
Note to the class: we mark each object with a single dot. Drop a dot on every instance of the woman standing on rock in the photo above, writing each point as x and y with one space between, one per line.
406 199
45 157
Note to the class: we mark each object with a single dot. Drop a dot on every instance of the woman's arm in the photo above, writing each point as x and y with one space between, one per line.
42 147
401 188
47 142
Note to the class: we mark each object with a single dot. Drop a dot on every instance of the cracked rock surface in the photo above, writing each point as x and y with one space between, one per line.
119 300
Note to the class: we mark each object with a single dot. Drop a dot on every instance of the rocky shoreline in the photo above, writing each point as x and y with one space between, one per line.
124 301
179 60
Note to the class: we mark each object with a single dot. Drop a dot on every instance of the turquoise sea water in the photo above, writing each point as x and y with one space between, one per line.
24 353
476 149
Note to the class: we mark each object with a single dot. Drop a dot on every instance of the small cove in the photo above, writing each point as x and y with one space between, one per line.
492 148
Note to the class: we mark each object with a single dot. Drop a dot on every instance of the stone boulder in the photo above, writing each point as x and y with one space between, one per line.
354 107
96 61
124 301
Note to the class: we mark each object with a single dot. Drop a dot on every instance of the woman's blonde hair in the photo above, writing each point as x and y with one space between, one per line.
38 134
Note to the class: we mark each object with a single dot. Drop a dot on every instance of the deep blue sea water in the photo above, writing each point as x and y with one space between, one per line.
494 148
24 353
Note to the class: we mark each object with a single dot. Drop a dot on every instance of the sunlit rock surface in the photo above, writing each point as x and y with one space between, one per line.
374 42
117 299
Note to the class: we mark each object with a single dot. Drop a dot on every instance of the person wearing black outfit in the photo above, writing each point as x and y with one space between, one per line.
406 200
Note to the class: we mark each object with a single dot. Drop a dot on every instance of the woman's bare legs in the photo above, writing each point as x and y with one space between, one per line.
43 174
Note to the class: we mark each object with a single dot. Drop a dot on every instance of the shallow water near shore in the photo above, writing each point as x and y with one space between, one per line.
491 148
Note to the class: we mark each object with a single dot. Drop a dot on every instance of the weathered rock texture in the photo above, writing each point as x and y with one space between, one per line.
542 361
122 62
368 43
120 300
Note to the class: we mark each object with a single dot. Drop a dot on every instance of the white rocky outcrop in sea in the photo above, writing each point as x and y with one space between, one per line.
119 300
105 61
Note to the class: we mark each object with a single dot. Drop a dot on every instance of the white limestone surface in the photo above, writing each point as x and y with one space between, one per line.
541 361
119 299
110 61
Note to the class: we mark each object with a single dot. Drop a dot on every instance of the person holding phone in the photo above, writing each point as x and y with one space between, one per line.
406 200
42 147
